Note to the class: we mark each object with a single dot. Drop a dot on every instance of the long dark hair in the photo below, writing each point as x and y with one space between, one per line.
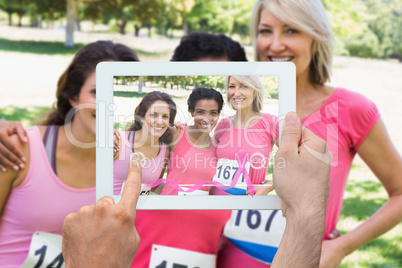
146 103
83 64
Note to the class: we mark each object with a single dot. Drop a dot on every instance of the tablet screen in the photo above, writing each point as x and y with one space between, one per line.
193 154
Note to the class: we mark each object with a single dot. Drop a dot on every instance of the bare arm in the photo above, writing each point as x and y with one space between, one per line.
383 159
9 179
304 161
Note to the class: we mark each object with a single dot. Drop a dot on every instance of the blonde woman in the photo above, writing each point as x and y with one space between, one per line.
299 31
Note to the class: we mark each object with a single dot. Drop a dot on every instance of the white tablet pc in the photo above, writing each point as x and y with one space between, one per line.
118 86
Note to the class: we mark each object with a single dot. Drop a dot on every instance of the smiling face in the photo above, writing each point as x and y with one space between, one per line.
156 120
277 41
241 96
85 105
206 114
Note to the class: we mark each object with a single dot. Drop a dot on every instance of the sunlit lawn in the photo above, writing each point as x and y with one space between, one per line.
362 199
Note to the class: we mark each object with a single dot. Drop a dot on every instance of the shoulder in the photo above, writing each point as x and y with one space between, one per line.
222 126
354 106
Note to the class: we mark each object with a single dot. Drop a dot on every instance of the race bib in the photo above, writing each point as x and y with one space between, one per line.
145 190
256 232
226 170
45 251
196 192
168 257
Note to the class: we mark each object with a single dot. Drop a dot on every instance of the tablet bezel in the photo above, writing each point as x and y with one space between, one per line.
105 71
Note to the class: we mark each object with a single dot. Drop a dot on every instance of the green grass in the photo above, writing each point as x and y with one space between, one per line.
38 47
28 116
361 200
134 94
58 48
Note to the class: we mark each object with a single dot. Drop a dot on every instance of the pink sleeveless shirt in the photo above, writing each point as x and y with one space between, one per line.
40 203
343 121
187 159
151 169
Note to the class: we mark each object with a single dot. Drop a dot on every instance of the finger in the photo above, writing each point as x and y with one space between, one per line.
334 234
8 159
132 187
315 146
116 133
3 168
291 134
11 151
22 134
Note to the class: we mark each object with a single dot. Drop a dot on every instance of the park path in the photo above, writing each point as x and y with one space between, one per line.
30 79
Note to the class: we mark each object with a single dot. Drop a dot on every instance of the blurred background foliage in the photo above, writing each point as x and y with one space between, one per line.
363 28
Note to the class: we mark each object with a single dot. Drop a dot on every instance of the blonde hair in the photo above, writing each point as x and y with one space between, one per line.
307 16
253 82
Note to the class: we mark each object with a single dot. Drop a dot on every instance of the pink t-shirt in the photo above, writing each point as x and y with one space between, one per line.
343 121
151 169
187 159
256 141
40 203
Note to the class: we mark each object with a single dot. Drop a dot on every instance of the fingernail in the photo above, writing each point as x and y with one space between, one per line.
25 139
291 118
22 166
23 158
15 168
4 169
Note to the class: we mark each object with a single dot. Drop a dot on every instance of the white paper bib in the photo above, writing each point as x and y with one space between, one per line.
196 192
226 170
169 257
256 232
145 190
45 251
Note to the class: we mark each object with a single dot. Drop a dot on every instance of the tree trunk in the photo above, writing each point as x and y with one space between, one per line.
140 83
185 26
149 30
136 30
78 24
39 22
20 14
71 17
122 26
10 21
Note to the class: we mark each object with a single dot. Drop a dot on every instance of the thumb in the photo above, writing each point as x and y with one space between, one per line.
291 133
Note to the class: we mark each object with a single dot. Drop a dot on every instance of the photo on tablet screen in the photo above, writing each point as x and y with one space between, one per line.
183 129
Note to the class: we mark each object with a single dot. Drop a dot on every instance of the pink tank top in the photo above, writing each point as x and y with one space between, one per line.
187 159
256 141
40 203
151 169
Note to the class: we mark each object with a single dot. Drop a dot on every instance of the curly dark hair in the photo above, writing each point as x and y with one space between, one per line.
196 46
202 93
82 66
146 103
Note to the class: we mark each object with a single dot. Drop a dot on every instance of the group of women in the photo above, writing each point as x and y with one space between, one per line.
289 30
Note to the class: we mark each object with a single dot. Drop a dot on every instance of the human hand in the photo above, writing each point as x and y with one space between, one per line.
331 254
301 180
301 170
334 234
10 155
104 235
263 189
178 125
